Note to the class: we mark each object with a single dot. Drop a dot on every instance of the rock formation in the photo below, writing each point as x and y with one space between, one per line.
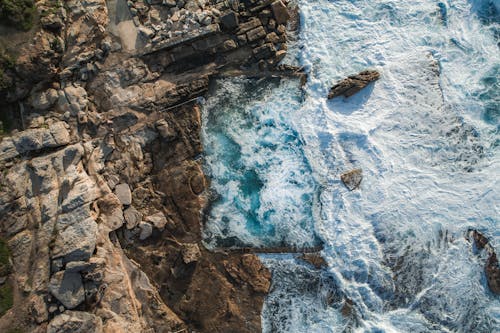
492 267
101 186
352 84
352 179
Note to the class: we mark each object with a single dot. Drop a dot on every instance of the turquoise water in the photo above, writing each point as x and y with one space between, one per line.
426 136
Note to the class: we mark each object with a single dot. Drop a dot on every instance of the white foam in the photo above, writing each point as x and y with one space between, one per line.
429 160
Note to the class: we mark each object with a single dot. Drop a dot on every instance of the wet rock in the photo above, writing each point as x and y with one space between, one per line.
75 322
315 259
353 84
67 288
492 271
124 194
229 20
352 179
132 217
45 99
280 12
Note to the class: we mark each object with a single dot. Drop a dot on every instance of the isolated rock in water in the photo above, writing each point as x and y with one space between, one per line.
352 84
314 259
75 322
492 271
123 193
132 217
352 179
67 288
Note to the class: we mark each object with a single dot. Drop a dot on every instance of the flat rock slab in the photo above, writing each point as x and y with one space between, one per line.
67 287
352 84
352 179
124 194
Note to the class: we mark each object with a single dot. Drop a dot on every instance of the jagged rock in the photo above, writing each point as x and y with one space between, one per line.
353 84
132 217
229 20
190 253
73 99
352 179
32 140
165 130
76 240
158 220
124 194
280 12
250 271
75 322
264 51
256 34
45 99
67 288
492 272
314 259
146 230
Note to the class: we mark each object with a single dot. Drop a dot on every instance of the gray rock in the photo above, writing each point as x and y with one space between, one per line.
75 242
229 20
158 220
45 99
73 99
352 179
166 131
67 288
352 84
75 322
146 230
132 217
123 193
77 266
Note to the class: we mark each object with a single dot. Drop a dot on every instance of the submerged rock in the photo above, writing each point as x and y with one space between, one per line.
352 179
352 84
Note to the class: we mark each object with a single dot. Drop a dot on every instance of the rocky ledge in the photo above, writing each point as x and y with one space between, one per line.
101 185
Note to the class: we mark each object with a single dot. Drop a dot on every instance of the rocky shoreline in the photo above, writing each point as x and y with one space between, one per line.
102 185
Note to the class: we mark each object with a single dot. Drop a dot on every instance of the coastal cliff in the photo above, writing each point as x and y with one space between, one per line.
101 187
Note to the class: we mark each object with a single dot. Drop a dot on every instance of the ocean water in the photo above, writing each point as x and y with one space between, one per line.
426 136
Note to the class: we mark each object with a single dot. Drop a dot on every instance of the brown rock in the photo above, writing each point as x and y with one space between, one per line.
352 179
255 34
314 259
353 84
280 12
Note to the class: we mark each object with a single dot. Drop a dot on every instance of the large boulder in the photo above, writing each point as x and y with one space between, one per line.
280 12
352 84
75 322
229 20
67 287
492 272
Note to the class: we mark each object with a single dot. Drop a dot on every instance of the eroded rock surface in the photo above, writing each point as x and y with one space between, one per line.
352 179
352 84
101 186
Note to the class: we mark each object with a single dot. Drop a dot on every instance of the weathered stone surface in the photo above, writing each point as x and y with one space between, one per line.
67 288
73 99
264 51
76 241
146 230
255 34
124 194
190 253
75 322
280 12
492 271
250 271
166 131
229 20
353 84
158 220
132 217
33 140
352 179
45 99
